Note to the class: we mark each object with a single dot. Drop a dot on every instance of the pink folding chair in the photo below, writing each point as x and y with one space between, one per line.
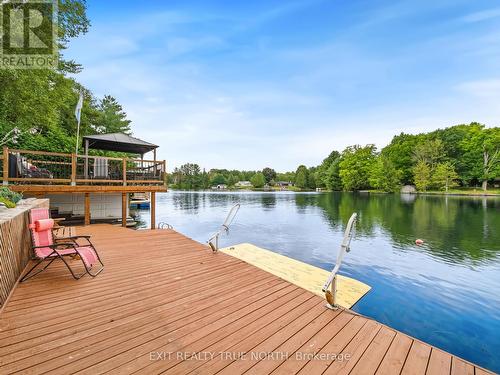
46 248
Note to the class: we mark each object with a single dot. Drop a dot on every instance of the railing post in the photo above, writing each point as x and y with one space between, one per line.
124 171
73 169
124 209
5 165
164 172
87 209
334 291
152 204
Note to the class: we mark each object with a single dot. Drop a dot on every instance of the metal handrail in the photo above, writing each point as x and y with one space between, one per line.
164 225
345 247
213 241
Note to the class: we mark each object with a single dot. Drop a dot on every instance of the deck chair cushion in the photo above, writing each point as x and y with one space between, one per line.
44 224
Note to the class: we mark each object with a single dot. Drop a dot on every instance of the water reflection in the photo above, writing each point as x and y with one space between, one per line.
446 292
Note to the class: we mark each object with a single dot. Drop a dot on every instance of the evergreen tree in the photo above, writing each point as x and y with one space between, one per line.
113 118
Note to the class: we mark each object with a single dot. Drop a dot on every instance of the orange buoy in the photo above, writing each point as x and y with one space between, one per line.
418 241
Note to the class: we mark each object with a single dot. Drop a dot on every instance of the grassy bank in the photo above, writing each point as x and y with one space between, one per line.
467 192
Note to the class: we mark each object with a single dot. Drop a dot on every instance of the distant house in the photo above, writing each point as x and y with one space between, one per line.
219 187
243 184
284 185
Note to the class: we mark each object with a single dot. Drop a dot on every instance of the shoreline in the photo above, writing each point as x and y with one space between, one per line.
441 193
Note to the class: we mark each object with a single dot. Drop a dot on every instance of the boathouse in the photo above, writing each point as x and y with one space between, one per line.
94 187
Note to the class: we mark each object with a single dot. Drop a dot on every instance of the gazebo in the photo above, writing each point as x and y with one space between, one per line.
119 142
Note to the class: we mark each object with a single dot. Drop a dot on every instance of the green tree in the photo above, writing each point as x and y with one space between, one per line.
444 176
482 154
311 178
72 21
355 166
384 176
113 118
422 175
287 176
400 152
269 174
205 179
301 177
321 174
332 178
232 179
218 179
454 139
39 104
258 180
429 151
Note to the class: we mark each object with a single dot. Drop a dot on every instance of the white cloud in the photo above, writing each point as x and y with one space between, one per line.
487 88
482 15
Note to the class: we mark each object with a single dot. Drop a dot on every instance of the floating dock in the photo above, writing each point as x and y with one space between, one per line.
167 304
349 291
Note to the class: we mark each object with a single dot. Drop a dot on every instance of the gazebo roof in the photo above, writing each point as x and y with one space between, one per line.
118 142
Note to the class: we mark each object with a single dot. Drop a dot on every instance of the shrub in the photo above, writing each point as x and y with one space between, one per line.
8 203
10 195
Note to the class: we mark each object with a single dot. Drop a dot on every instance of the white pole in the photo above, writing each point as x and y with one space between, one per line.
78 112
77 136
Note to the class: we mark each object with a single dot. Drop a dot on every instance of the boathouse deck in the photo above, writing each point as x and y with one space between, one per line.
166 304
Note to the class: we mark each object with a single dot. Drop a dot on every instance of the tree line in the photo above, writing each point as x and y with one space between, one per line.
190 176
457 156
37 106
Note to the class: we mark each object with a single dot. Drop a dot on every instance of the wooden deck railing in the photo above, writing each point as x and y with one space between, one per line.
40 167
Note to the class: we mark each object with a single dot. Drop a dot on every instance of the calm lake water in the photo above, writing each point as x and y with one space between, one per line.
446 292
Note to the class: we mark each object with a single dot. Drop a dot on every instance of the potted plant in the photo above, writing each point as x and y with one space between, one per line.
9 198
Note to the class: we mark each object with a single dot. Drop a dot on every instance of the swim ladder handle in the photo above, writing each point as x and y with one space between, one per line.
213 241
345 247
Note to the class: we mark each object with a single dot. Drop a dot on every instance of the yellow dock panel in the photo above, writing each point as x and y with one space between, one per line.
349 291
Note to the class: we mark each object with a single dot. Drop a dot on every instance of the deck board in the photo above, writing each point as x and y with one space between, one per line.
162 292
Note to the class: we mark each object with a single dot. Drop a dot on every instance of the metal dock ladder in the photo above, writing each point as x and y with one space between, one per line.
345 247
213 241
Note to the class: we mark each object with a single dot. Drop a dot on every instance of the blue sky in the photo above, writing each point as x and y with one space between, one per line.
274 83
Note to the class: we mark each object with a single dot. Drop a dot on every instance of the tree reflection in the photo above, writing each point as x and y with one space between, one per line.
457 229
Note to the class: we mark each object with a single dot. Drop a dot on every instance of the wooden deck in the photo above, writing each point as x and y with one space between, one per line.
166 304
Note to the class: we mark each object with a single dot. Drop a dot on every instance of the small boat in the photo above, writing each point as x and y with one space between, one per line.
140 200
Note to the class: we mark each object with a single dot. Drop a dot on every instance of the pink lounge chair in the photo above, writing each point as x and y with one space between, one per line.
46 248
